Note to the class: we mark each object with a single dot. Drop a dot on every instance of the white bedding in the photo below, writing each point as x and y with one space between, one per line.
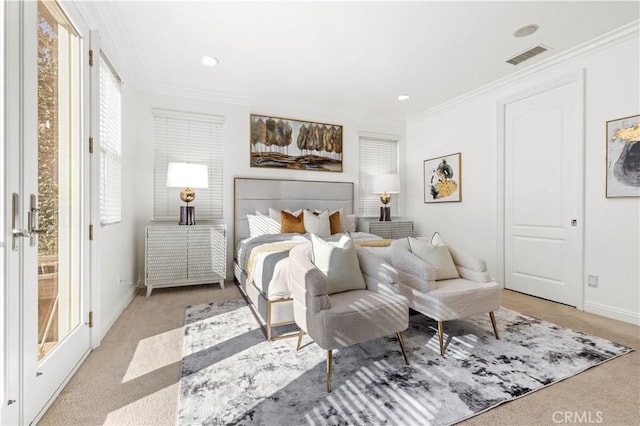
265 260
277 287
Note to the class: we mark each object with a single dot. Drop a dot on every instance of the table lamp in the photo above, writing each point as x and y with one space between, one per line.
386 185
187 176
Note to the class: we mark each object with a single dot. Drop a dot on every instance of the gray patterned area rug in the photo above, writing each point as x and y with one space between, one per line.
231 375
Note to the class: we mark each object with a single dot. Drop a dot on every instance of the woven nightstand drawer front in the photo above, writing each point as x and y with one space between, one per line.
390 230
207 253
184 255
166 255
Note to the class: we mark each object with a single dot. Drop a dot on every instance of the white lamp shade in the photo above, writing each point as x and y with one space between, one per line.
187 175
389 183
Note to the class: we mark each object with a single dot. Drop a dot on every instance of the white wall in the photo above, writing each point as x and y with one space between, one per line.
236 151
470 126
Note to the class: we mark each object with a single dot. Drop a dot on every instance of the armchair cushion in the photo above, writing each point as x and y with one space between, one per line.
360 315
437 256
339 263
453 299
474 275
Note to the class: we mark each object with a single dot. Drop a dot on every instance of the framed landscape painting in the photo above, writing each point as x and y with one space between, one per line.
284 143
623 157
442 179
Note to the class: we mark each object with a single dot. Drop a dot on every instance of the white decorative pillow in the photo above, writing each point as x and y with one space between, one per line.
347 221
335 220
436 239
437 256
317 224
262 225
339 262
275 214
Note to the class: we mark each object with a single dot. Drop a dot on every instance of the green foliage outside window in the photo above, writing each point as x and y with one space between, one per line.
47 136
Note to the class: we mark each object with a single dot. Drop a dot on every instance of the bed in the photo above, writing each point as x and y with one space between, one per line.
260 265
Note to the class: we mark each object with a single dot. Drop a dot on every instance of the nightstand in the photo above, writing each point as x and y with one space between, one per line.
178 255
393 229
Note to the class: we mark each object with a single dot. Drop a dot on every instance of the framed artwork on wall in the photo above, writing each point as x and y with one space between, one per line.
443 179
284 143
623 157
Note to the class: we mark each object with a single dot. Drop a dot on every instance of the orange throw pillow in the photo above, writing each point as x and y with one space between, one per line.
334 223
291 223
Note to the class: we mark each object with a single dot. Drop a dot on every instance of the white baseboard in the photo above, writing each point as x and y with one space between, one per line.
117 311
611 312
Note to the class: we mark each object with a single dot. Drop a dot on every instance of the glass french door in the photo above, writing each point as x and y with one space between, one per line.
48 175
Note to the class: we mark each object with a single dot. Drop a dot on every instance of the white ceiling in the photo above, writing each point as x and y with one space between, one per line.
343 57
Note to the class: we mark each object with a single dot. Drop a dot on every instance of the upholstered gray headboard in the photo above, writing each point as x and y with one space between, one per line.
251 194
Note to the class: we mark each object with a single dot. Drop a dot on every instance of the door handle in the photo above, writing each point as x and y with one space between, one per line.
15 219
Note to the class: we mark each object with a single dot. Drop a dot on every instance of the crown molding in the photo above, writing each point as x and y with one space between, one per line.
604 41
196 93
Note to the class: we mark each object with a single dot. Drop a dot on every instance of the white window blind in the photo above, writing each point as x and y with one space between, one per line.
186 137
110 144
377 157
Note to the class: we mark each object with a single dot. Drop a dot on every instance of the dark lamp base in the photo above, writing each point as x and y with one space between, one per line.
385 214
187 215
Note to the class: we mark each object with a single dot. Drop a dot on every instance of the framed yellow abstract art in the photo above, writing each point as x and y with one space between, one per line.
623 157
443 179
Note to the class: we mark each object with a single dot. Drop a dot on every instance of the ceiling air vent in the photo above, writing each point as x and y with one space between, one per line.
527 54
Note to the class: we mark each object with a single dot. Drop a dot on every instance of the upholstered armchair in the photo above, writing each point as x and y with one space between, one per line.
449 291
340 319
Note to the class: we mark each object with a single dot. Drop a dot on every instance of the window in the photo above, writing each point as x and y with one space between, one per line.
110 144
187 138
377 156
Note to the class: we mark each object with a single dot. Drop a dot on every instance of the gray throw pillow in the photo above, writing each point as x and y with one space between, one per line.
317 224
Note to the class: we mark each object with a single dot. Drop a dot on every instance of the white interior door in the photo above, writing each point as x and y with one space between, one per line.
543 194
47 175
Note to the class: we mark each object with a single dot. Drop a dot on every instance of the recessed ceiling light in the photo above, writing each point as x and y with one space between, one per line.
403 97
526 30
209 61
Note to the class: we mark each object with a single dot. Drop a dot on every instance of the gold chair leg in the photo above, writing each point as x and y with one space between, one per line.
404 351
441 337
329 361
495 326
299 339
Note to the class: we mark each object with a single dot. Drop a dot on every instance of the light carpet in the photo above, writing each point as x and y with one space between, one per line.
231 375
